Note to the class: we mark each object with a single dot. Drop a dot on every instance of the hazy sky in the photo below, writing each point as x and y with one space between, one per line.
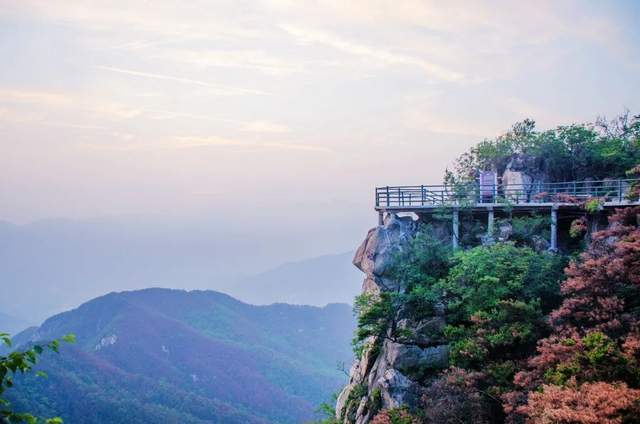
253 114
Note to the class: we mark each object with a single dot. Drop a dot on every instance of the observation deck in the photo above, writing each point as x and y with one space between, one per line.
482 196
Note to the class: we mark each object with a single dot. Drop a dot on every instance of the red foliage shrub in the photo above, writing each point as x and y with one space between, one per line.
456 398
595 348
565 198
591 403
394 416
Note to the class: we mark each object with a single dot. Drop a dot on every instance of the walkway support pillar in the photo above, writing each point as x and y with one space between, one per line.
554 229
455 239
490 223
380 218
594 223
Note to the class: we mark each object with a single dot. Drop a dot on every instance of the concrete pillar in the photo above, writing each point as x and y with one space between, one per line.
490 220
594 223
554 229
380 218
456 228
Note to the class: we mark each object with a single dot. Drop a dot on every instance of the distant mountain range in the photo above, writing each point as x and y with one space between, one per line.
69 262
172 356
315 281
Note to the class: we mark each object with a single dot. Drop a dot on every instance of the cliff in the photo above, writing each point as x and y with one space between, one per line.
531 317
381 378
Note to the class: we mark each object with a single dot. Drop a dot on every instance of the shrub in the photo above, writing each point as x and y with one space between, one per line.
594 351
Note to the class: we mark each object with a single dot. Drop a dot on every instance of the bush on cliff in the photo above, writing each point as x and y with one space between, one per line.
497 297
604 149
589 369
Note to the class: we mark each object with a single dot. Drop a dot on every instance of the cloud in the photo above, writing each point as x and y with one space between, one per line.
265 127
214 141
377 54
217 89
252 59
48 98
125 144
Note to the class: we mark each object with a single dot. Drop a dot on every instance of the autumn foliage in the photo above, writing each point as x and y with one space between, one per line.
591 403
588 371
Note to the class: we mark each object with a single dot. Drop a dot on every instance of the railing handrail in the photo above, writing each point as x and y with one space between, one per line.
443 194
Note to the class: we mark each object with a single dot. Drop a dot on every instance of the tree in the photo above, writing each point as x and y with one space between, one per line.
23 362
596 336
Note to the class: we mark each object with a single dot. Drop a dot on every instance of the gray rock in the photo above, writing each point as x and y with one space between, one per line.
518 184
408 358
504 231
539 243
380 249
397 390
427 332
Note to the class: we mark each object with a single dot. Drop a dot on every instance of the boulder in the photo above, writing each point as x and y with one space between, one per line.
505 229
408 358
517 184
382 246
425 333
397 390
539 243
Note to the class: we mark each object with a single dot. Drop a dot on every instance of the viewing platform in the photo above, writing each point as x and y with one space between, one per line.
483 196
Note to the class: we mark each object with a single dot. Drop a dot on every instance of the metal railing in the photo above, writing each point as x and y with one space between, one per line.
609 190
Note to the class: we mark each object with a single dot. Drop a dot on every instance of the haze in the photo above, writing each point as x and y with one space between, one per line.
262 127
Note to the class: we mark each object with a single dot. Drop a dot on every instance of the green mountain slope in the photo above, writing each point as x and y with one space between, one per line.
168 356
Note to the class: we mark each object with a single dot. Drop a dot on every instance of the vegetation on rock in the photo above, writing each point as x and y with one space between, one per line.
533 336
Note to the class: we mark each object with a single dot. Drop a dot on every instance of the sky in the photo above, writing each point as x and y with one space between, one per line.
271 116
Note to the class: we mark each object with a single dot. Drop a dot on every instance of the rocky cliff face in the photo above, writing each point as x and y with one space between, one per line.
382 378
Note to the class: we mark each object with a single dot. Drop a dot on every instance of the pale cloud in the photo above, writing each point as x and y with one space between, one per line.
50 103
257 60
125 143
358 92
216 89
214 141
48 98
184 142
265 127
377 54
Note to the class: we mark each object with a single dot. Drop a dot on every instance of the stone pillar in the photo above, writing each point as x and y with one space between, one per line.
490 223
554 229
455 239
594 221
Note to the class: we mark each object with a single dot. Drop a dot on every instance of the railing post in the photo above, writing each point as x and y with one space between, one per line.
619 190
400 197
422 194
388 197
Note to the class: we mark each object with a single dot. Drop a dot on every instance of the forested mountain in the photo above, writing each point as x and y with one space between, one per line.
171 356
69 262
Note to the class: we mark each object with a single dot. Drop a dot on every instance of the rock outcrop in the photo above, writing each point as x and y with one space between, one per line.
383 377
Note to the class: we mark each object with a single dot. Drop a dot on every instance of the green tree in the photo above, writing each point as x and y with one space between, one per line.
23 362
